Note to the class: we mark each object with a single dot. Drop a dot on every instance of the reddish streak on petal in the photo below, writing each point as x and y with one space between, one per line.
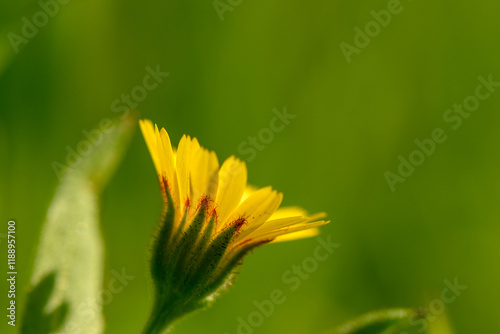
214 213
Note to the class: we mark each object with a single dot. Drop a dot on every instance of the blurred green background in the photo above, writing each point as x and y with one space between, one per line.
352 122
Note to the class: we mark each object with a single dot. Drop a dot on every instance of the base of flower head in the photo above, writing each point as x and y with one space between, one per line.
191 263
211 220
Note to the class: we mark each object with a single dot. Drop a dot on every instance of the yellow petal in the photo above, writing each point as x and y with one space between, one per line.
285 231
148 131
249 190
204 170
187 147
168 165
232 183
278 224
312 232
289 211
168 155
256 209
283 225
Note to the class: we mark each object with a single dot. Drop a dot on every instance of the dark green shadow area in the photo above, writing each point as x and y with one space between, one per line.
35 319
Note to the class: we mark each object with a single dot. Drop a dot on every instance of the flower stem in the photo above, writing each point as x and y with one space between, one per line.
165 311
158 324
154 327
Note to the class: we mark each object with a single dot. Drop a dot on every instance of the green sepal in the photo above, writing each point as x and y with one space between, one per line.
207 235
217 284
213 255
160 267
185 249
199 248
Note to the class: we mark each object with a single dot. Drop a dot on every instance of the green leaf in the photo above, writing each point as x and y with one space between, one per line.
392 321
396 321
68 269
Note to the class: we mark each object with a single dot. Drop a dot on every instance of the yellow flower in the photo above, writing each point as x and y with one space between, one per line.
211 220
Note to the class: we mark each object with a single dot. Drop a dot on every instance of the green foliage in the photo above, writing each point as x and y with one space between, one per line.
378 322
395 321
68 269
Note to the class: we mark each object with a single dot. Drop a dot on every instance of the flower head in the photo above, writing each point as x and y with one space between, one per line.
211 220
